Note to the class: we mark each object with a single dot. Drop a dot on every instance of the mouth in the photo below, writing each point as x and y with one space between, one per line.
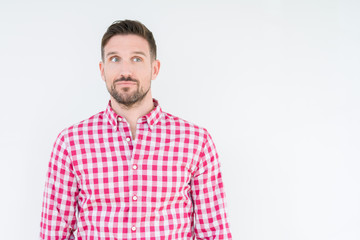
123 82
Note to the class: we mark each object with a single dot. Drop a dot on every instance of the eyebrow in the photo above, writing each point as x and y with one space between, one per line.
140 53
136 52
110 53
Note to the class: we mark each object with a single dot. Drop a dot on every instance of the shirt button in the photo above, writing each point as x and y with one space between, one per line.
119 119
133 229
134 198
134 167
128 139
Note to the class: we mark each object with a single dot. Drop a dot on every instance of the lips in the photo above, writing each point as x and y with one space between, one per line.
122 82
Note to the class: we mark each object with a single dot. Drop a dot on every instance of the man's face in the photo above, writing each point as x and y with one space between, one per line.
128 68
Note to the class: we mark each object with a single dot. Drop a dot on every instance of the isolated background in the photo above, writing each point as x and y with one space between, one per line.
275 82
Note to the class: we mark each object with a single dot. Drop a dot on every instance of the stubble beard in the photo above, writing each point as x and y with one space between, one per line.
125 97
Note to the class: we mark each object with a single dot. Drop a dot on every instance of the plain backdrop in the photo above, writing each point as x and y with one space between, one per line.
276 83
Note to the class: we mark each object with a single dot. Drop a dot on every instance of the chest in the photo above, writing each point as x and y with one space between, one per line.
113 167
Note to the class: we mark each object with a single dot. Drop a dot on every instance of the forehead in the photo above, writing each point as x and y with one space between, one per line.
127 43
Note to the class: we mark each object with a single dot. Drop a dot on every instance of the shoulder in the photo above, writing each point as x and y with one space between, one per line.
82 127
182 126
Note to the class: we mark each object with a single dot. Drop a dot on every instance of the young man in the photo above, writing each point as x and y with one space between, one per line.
133 171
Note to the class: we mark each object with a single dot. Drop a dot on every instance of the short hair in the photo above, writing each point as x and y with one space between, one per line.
125 27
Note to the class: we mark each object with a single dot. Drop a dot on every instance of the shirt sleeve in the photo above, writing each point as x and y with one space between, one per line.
58 218
210 220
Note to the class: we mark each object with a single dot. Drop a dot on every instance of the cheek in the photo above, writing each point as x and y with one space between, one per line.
109 72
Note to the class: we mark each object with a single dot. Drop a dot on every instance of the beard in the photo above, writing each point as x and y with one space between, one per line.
125 96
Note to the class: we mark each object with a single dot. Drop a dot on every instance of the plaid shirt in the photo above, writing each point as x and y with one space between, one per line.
165 184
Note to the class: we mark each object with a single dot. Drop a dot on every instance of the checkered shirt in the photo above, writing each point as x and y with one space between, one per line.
164 184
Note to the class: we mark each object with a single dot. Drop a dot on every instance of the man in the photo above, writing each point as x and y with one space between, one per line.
133 171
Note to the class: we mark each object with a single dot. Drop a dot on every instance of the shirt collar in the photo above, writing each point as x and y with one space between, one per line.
152 118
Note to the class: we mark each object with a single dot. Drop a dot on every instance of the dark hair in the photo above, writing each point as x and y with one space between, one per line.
125 27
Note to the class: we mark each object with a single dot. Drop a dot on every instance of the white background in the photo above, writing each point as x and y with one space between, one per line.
276 83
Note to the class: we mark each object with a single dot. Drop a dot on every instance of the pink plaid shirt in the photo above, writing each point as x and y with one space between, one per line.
165 184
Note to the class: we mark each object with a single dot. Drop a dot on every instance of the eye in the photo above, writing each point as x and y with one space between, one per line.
114 59
137 59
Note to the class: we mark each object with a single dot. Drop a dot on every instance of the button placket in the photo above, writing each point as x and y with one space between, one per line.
135 188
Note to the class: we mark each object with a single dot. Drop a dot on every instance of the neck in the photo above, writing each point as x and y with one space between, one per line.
136 111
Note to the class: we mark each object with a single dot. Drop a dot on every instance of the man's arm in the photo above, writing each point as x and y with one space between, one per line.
209 197
58 220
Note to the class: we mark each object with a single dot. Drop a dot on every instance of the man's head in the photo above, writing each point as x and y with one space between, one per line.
128 62
127 27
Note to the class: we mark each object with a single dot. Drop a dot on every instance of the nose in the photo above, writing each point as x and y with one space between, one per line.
125 69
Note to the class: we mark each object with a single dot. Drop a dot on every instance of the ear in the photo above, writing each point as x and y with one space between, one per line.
155 69
101 66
